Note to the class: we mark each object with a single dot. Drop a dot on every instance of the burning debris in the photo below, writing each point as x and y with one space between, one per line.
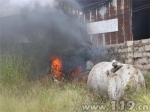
58 73
72 69
56 68
77 70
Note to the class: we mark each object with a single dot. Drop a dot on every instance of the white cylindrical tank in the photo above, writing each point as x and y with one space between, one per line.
111 78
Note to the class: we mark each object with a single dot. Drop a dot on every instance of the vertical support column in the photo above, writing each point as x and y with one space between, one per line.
91 35
101 41
93 15
106 17
93 19
120 9
102 11
130 20
127 20
96 14
103 35
113 12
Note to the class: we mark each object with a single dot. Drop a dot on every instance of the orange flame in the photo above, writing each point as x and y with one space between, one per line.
77 70
56 67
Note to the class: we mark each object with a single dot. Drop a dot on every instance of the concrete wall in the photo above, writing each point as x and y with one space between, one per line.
132 52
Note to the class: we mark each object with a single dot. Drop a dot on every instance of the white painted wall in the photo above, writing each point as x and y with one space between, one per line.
103 26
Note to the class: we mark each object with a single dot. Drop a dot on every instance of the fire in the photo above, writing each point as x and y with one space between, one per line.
56 67
77 70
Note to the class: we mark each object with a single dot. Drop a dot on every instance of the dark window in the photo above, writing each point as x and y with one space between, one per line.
141 19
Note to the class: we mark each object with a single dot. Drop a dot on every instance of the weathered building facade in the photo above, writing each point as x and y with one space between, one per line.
115 22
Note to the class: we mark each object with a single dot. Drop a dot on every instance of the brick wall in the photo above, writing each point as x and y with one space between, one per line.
132 52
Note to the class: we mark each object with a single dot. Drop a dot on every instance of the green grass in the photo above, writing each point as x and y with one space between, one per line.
13 69
19 95
39 98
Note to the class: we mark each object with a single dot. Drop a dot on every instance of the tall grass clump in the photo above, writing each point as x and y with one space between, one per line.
13 69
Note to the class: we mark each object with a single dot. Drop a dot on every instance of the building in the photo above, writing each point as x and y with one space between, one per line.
114 21
121 26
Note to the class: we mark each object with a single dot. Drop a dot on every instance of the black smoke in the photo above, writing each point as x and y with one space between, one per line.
46 31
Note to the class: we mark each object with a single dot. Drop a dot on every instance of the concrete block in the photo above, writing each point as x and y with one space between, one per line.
136 49
125 49
141 49
115 49
144 61
137 43
118 46
147 66
122 45
136 62
119 50
130 60
130 49
146 54
122 50
129 43
136 54
147 47
145 41
123 56
130 55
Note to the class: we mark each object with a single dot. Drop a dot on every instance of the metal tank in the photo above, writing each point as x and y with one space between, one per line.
110 79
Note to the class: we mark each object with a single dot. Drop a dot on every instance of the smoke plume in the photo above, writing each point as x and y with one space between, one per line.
46 30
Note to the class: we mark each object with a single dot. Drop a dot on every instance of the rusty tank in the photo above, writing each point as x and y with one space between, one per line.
110 79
